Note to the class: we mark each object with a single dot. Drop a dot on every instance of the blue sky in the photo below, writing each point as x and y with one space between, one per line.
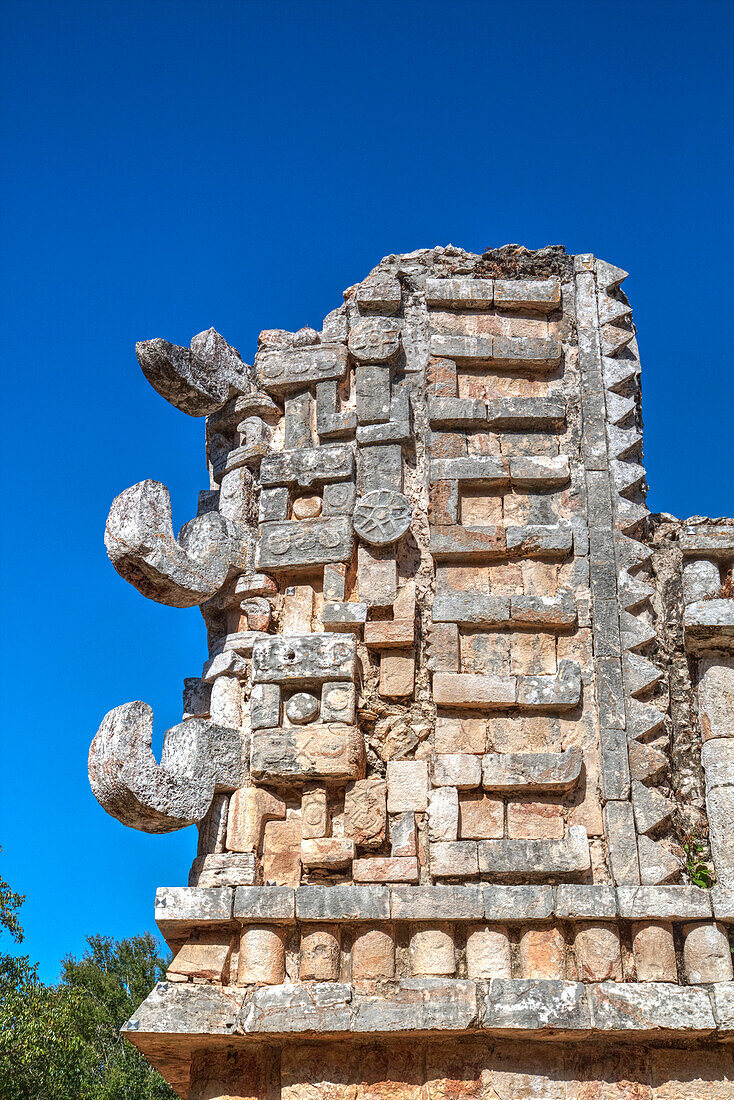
171 165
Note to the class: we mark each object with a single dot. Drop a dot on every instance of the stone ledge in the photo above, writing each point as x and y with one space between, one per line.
500 1006
180 909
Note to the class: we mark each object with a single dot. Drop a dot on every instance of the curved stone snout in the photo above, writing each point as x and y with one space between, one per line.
199 379
199 759
141 545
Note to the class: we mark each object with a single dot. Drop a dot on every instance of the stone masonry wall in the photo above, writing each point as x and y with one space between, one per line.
466 715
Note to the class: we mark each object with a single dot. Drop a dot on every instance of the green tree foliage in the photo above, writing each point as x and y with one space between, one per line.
63 1042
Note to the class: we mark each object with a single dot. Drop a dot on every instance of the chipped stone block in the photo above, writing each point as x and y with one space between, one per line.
425 1004
598 952
425 903
317 658
459 689
281 859
432 952
264 904
342 901
224 869
249 809
365 812
701 581
305 542
460 735
657 863
619 828
373 954
397 675
488 952
385 869
327 852
706 953
443 814
480 817
314 812
308 752
542 952
338 701
525 772
533 859
320 957
663 902
283 1009
407 785
454 859
377 577
381 295
535 1005
709 624
543 295
513 903
461 770
460 292
292 369
261 958
373 340
621 1007
395 634
403 835
579 902
559 692
653 948
205 956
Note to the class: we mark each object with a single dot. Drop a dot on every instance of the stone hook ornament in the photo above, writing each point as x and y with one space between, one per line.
197 380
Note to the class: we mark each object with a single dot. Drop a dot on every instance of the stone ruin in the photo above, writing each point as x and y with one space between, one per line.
466 727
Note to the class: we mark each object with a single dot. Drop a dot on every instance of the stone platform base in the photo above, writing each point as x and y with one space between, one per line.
457 1069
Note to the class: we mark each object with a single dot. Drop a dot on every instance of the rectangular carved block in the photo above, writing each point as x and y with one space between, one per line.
305 542
309 657
293 368
308 752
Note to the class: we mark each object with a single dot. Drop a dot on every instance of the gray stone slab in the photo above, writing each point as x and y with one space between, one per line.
650 1007
457 412
329 752
417 1004
559 692
291 369
517 903
545 540
305 542
264 706
540 295
373 393
459 292
619 829
486 469
580 902
536 859
424 903
180 906
303 1007
174 1008
476 608
663 903
532 771
309 466
280 659
253 904
526 1004
342 901
539 413
708 540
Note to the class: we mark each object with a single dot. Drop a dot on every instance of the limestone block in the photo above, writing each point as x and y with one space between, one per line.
295 1007
428 1004
381 294
664 902
460 292
377 577
560 692
403 835
385 869
302 707
395 634
374 340
213 827
327 852
533 859
249 809
454 859
546 540
407 785
525 772
598 952
181 572
456 412
373 954
706 953
432 952
309 466
198 760
512 903
281 860
535 1005
365 812
460 735
205 956
342 902
199 379
179 910
520 413
196 698
226 702
532 353
338 499
488 951
542 952
459 542
653 948
480 817
425 903
339 616
534 819
716 697
314 658
619 829
320 956
576 902
308 752
460 689
701 580
622 1007
262 955
372 386
709 624
443 814
457 769
483 469
338 701
264 903
292 369
224 869
548 472
543 295
717 757
712 540
297 543
652 809
314 812
720 806
397 675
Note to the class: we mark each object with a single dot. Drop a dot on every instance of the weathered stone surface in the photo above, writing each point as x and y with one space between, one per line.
488 953
205 956
425 903
425 1004
317 658
578 902
293 368
224 869
663 902
460 293
365 812
407 785
650 1007
261 959
342 902
534 859
198 759
457 769
180 572
443 814
382 516
177 908
305 542
385 869
532 771
373 954
309 466
513 903
326 852
432 952
310 752
264 903
598 952
374 340
283 1009
197 380
653 948
249 809
531 1005
380 294
706 953
454 859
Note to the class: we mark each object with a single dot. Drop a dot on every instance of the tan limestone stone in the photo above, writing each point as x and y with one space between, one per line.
653 948
320 954
706 953
282 852
373 953
542 952
262 955
488 952
432 950
598 952
481 817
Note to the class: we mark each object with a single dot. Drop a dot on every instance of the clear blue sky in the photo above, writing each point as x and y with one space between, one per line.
171 165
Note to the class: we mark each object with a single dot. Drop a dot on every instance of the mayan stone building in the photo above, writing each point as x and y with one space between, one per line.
465 731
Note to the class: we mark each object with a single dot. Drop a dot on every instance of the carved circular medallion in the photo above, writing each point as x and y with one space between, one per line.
302 707
382 516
